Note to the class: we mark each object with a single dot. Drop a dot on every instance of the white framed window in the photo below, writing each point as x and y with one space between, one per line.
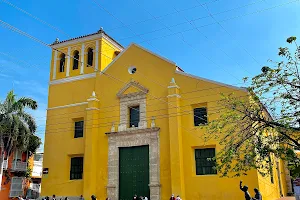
16 187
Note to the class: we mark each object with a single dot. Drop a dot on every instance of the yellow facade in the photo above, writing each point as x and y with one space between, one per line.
90 94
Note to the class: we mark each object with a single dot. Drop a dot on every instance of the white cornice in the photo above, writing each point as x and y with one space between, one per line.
211 81
74 78
85 39
174 95
67 106
112 42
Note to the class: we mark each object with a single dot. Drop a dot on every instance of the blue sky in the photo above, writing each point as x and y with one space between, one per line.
247 34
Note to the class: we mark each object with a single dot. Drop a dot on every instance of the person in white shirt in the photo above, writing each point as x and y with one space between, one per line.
145 198
178 198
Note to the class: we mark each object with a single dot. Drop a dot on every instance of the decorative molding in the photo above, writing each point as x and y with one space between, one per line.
67 106
97 55
93 99
173 86
125 103
85 39
54 65
174 95
92 108
74 78
68 62
112 42
134 84
211 81
140 137
135 131
82 59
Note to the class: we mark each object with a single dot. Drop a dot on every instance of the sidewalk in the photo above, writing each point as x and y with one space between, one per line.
287 198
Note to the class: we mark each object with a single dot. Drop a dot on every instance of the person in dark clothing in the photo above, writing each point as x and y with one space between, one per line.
172 197
257 195
93 197
245 190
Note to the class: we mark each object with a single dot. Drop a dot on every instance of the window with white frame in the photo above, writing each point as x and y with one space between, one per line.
16 186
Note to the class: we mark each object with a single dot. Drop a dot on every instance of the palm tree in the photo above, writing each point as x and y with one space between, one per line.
17 127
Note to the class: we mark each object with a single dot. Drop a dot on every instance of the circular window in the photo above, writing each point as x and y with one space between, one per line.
131 70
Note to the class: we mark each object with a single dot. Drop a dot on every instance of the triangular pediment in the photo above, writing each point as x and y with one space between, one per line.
132 88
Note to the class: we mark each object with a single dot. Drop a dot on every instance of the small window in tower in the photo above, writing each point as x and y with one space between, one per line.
90 57
62 63
75 59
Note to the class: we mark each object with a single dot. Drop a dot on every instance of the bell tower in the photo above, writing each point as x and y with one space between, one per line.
83 55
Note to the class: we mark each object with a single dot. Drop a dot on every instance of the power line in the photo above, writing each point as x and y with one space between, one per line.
224 20
40 41
207 9
182 10
34 17
182 38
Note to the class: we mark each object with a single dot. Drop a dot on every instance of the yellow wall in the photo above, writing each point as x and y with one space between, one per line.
155 74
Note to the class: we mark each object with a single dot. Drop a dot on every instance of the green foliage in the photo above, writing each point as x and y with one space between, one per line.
249 134
17 127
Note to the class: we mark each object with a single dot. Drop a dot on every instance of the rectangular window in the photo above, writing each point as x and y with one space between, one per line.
203 165
200 116
76 168
134 116
78 132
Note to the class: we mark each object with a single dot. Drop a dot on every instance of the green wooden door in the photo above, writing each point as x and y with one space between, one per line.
133 172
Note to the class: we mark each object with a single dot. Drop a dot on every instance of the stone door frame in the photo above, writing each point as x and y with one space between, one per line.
139 137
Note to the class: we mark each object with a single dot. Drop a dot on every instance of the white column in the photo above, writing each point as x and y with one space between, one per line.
68 62
96 55
54 65
82 59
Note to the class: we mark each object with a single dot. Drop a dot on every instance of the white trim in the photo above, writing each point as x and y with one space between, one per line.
211 81
112 42
174 95
96 55
82 59
133 44
173 86
85 39
67 106
92 108
54 65
74 78
92 99
68 62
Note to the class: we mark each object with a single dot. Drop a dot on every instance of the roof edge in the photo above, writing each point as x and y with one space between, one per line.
97 35
211 81
134 44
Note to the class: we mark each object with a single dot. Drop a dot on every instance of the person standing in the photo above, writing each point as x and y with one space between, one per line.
81 197
257 195
245 190
93 197
53 197
145 198
135 197
172 197
178 197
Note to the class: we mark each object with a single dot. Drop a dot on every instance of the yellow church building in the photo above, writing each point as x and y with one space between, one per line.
125 121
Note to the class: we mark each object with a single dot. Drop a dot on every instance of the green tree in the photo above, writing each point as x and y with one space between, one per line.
265 124
17 126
